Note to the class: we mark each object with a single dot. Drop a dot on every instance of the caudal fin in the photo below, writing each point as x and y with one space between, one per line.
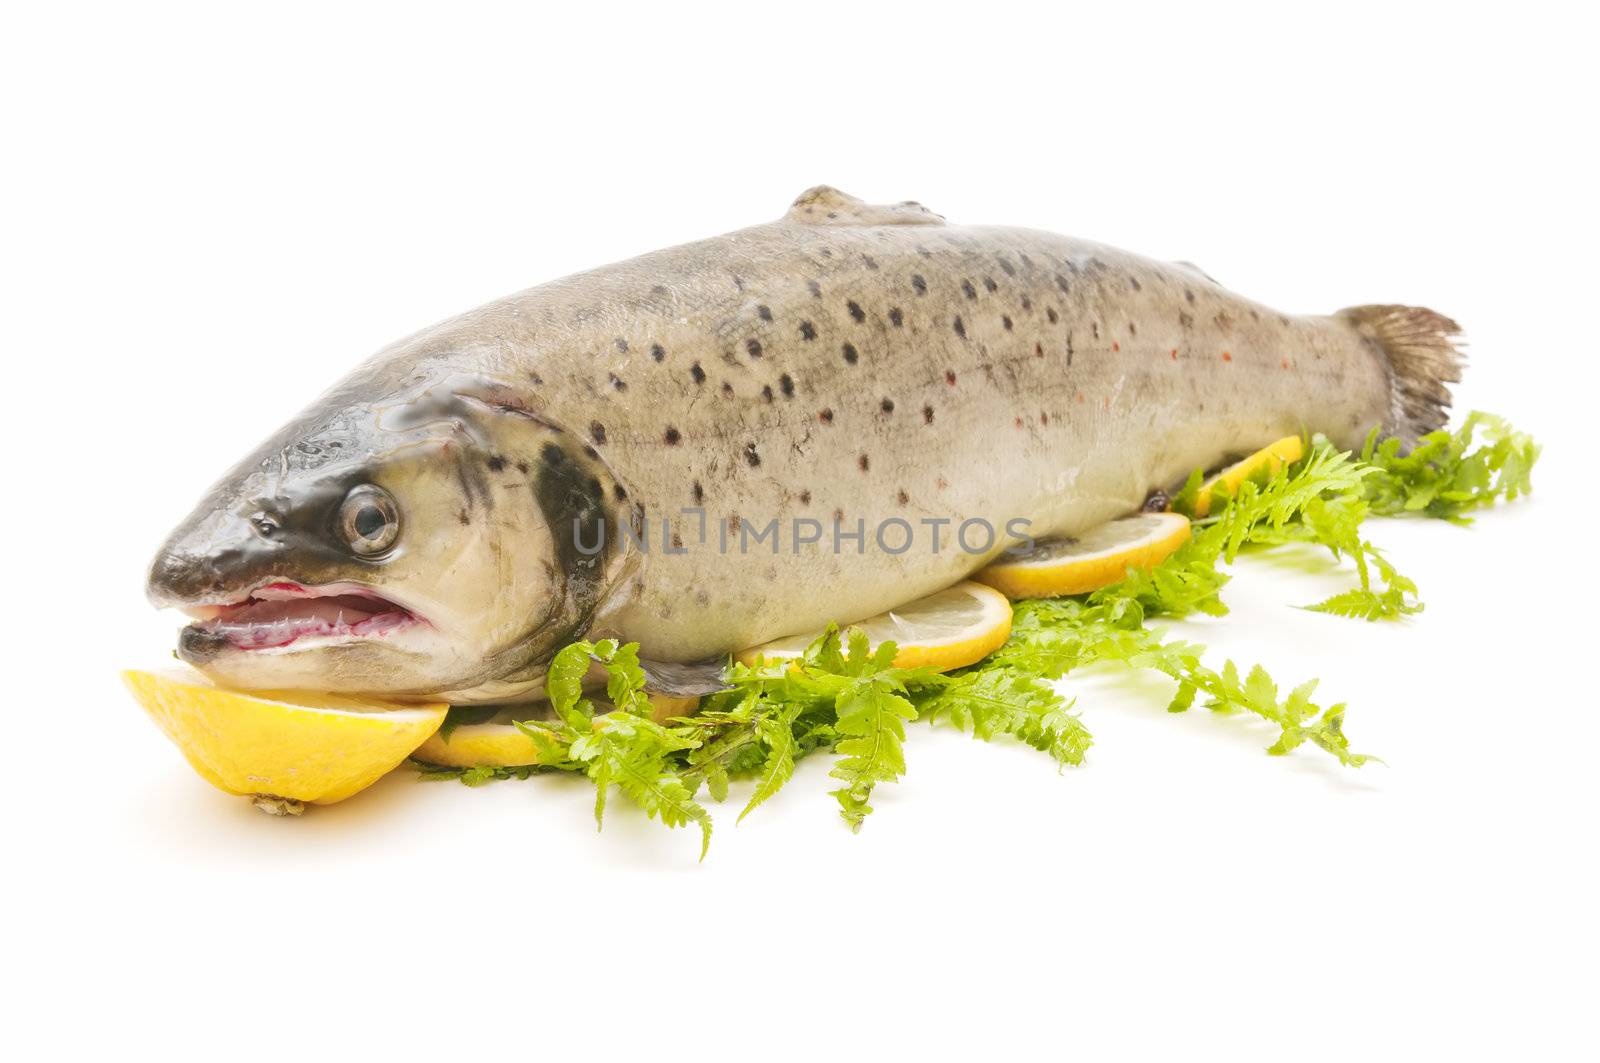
1423 357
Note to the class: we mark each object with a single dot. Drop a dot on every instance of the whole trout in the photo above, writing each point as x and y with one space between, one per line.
714 445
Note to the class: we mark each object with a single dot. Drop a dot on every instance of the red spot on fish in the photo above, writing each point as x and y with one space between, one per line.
1038 350
1285 363
941 483
950 377
1044 418
1106 402
1226 357
1080 398
1115 346
1018 422
1174 354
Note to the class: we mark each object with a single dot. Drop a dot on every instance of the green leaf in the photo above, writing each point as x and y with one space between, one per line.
778 734
460 715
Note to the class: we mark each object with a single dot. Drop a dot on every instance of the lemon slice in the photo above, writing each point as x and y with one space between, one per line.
1089 562
958 626
281 747
1264 462
498 743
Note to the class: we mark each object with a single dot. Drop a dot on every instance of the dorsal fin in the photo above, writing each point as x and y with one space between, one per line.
824 205
1196 270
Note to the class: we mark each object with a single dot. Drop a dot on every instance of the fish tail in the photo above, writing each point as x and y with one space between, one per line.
1422 356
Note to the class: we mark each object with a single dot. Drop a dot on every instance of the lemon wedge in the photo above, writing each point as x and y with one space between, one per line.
1094 560
958 626
1264 462
282 748
498 743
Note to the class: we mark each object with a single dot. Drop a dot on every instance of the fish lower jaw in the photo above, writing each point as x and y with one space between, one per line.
305 633
288 616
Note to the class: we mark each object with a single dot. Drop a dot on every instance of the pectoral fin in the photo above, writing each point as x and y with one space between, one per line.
690 679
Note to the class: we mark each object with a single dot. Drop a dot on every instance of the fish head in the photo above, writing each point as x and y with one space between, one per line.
431 547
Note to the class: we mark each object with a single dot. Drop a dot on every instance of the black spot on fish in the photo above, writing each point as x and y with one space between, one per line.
856 311
597 431
754 347
968 290
1027 304
895 317
850 353
698 492
698 373
1050 312
1133 329
815 289
805 498
589 450
1186 319
657 351
496 463
960 327
870 262
902 497
622 344
764 312
1006 322
1134 281
786 382
522 467
618 383
927 415
727 390
463 518
950 377
672 437
919 284
659 289
571 504
535 377
751 456
808 331
738 282
1189 295
990 286
864 463
825 416
1006 267
887 405
766 392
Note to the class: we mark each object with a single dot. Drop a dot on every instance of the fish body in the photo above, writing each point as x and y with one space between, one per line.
714 445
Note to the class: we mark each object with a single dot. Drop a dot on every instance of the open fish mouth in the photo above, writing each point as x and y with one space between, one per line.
283 613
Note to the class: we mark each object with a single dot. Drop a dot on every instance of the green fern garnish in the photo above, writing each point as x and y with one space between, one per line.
844 697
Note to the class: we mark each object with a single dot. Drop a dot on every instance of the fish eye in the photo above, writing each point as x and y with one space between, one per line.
369 520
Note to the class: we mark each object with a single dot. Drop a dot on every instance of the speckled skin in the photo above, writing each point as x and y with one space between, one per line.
845 362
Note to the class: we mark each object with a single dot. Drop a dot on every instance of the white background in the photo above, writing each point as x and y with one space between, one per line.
209 216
